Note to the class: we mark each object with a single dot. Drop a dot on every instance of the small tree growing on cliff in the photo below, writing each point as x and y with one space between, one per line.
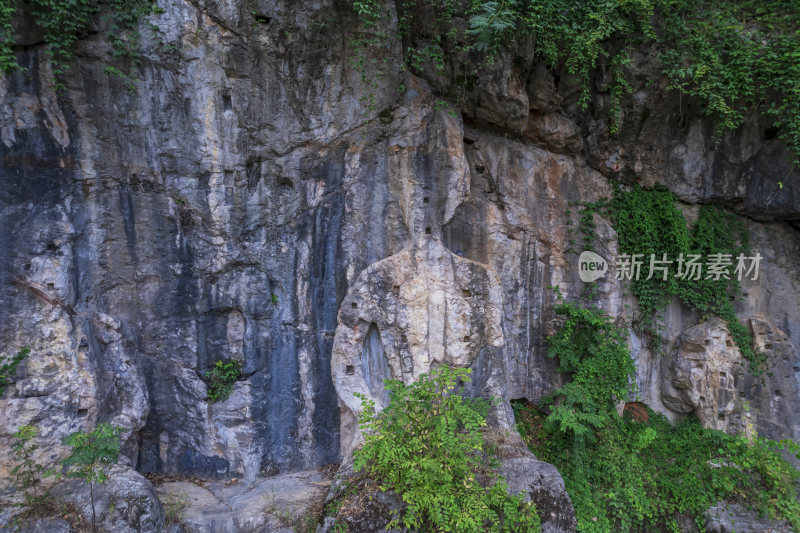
91 454
27 473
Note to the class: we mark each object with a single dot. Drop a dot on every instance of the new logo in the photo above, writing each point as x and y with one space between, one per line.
591 266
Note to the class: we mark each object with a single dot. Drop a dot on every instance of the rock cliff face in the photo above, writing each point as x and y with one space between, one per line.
244 202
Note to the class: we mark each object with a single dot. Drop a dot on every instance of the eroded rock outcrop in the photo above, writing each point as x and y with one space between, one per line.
706 377
243 198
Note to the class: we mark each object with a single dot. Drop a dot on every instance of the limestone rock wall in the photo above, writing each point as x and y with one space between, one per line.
245 202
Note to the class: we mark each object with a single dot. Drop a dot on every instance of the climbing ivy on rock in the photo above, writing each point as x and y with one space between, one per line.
7 61
421 52
592 349
8 367
648 222
63 22
734 56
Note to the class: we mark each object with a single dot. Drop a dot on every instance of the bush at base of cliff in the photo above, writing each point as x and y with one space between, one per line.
427 446
645 476
627 475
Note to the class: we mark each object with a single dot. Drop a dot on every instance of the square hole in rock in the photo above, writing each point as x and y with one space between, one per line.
350 370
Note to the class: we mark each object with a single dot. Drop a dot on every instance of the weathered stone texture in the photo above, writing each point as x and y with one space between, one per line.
243 198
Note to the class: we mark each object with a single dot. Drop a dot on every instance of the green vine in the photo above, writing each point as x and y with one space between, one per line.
435 48
591 349
369 46
8 367
8 62
648 222
734 56
65 21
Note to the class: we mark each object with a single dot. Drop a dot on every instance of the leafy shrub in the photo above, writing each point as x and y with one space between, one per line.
91 454
9 367
427 446
27 474
629 475
638 476
223 376
591 349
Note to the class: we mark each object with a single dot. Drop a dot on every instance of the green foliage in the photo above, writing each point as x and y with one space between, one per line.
626 475
91 455
638 476
27 473
9 367
427 446
223 376
420 52
369 47
65 21
490 22
62 21
92 452
734 56
592 350
648 222
7 60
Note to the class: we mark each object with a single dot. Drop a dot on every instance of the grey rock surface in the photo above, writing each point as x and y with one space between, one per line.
247 506
243 197
706 376
126 502
40 525
542 484
733 518
359 504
